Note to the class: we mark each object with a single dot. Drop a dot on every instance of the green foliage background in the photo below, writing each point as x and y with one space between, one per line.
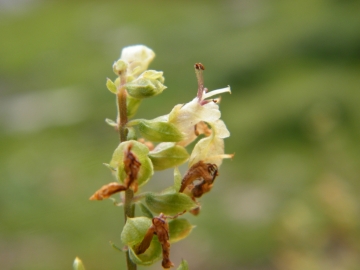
289 199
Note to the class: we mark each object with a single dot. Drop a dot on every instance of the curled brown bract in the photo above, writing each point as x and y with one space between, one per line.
131 167
106 191
160 228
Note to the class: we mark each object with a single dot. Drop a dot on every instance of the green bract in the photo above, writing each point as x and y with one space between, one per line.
141 152
168 155
133 233
111 86
157 131
169 203
179 229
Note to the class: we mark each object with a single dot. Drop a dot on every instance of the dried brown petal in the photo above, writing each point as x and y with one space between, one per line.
160 228
195 211
131 167
201 188
200 170
106 191
145 243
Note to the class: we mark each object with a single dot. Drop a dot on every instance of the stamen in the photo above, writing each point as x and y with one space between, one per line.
200 79
216 92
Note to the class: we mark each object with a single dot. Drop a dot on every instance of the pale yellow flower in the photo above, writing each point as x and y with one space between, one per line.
138 58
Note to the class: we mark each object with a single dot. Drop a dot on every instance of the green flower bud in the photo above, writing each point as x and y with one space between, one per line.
120 66
154 75
144 88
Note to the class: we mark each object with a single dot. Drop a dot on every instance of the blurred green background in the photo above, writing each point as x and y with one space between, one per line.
290 198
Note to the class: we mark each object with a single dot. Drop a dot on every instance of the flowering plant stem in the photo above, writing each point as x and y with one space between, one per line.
129 207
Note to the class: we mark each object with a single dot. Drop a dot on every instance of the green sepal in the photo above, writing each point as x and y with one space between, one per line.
144 88
168 155
134 230
146 211
141 152
111 86
78 264
179 229
110 122
133 233
157 131
183 266
177 179
169 203
151 255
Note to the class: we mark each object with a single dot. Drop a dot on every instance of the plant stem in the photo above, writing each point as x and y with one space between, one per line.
129 207
122 107
129 211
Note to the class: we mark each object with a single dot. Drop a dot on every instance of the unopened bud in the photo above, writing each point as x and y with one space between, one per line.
78 264
120 66
144 88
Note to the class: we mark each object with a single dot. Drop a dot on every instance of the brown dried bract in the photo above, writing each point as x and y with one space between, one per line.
107 190
160 228
200 170
131 167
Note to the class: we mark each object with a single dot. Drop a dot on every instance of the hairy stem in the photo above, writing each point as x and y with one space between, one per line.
129 207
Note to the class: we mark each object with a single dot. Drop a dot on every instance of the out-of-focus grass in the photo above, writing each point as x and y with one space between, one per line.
286 201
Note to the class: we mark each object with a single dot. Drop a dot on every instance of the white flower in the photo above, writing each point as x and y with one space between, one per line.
185 117
138 58
211 149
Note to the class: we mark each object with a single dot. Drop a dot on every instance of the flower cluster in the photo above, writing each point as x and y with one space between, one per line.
159 144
